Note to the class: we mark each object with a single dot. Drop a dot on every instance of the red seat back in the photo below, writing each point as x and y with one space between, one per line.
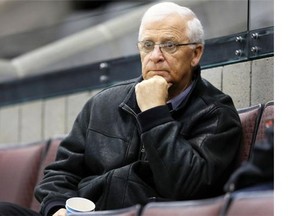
250 118
129 211
267 115
252 203
19 166
50 156
207 207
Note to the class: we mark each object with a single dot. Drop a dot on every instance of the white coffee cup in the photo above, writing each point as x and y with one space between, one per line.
79 204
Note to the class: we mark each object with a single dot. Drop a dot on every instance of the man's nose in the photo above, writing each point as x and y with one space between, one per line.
156 54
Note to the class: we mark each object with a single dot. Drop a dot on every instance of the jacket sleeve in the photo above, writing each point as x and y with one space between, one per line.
190 159
61 178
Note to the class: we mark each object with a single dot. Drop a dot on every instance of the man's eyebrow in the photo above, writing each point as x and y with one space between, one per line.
146 39
169 38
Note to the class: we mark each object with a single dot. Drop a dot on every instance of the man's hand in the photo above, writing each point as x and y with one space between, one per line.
61 212
151 93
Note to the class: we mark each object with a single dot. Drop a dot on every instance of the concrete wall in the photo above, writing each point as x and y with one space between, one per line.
248 83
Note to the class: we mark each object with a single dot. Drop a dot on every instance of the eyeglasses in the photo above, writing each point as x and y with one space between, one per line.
168 47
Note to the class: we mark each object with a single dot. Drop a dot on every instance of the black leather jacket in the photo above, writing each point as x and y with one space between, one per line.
117 156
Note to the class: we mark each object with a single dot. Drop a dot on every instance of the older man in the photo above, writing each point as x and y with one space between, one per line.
168 134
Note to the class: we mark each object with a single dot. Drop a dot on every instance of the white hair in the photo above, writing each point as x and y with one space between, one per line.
161 10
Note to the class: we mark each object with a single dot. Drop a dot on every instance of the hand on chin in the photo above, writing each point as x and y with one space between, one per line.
151 92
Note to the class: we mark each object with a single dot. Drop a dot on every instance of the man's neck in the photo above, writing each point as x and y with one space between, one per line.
176 101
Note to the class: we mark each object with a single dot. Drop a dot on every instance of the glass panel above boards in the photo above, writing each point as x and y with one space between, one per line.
77 37
220 17
261 14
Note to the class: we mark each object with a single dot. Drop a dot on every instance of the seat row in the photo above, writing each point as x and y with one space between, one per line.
257 203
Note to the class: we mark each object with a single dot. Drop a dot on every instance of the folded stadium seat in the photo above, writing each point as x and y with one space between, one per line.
49 157
250 118
129 211
267 117
206 207
19 167
256 203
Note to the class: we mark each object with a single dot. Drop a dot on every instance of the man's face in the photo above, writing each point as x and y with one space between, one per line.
175 67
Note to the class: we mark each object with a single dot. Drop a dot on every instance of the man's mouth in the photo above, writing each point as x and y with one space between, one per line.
158 72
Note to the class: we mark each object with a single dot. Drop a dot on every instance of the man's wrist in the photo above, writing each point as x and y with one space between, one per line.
153 117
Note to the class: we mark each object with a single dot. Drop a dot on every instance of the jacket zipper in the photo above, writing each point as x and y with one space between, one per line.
142 154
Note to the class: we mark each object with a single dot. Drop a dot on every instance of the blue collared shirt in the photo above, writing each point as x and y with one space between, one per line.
176 101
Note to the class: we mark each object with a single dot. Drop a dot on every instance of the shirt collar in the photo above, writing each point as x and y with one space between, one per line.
176 101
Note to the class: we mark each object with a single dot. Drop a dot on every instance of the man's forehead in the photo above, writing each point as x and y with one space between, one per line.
163 18
167 26
168 22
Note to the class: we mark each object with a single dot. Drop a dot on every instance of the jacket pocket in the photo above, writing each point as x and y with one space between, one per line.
95 188
128 188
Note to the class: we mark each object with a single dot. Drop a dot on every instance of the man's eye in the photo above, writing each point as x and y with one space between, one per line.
170 45
148 44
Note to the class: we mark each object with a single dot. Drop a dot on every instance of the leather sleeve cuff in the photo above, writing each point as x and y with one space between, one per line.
154 117
51 207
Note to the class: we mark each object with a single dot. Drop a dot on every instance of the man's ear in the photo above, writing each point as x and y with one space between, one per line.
197 54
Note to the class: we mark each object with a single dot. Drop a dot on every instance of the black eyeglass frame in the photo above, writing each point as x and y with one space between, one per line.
161 45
